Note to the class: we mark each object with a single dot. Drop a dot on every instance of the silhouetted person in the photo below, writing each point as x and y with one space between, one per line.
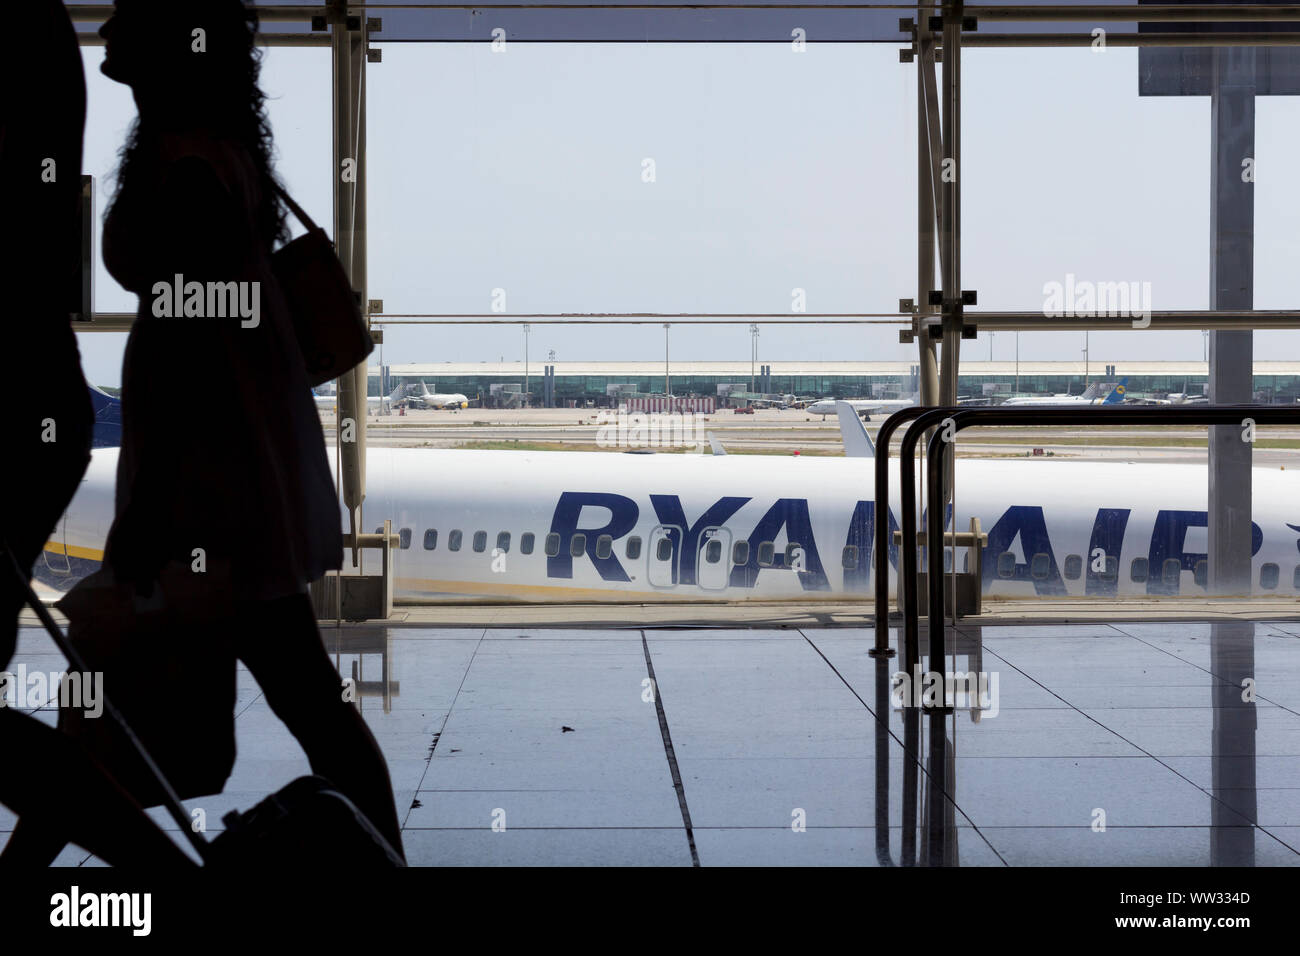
236 487
43 396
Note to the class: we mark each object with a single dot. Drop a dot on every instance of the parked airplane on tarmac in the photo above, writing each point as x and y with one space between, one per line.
600 526
423 398
1116 397
866 407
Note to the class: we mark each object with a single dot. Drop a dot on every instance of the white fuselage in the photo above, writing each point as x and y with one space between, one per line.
665 527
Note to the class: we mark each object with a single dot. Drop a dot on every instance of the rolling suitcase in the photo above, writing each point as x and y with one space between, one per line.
307 824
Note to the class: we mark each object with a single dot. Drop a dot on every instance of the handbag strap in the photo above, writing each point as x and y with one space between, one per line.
297 210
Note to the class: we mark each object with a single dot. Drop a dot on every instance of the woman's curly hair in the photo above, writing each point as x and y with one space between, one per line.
219 88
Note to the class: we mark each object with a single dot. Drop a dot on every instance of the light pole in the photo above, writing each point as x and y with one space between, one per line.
667 391
753 353
1085 361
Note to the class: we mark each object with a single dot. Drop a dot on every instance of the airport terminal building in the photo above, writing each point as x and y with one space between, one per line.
583 382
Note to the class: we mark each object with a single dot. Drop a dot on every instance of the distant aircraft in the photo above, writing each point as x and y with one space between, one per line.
866 407
427 399
1116 397
328 403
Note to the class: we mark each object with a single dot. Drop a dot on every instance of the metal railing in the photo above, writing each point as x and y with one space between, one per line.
953 420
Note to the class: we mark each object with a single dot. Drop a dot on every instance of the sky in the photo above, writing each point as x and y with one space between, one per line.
524 171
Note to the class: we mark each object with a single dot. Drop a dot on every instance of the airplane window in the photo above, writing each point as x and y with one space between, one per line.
526 542
1171 572
740 553
480 541
850 556
431 539
453 541
1201 574
1039 566
793 552
1268 575
766 552
664 550
1139 570
552 544
713 551
1006 565
633 547
405 538
503 541
604 544
577 545
1073 567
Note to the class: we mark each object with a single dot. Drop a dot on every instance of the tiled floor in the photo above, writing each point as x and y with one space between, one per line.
1123 744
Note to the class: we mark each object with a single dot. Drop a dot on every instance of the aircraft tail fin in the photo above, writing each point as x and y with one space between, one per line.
1116 397
857 443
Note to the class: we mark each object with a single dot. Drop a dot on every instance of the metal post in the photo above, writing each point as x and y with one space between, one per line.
348 203
928 384
1232 263
950 209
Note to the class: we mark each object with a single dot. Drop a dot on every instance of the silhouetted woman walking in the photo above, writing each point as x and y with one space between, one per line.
237 483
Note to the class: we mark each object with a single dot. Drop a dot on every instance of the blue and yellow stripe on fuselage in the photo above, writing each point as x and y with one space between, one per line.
61 566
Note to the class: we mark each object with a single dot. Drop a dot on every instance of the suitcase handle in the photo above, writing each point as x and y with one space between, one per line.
170 798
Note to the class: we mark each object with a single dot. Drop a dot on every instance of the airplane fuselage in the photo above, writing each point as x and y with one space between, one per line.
594 526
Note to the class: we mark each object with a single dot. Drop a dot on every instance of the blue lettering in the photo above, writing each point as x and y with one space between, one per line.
1028 522
668 508
1168 540
791 514
861 535
623 513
